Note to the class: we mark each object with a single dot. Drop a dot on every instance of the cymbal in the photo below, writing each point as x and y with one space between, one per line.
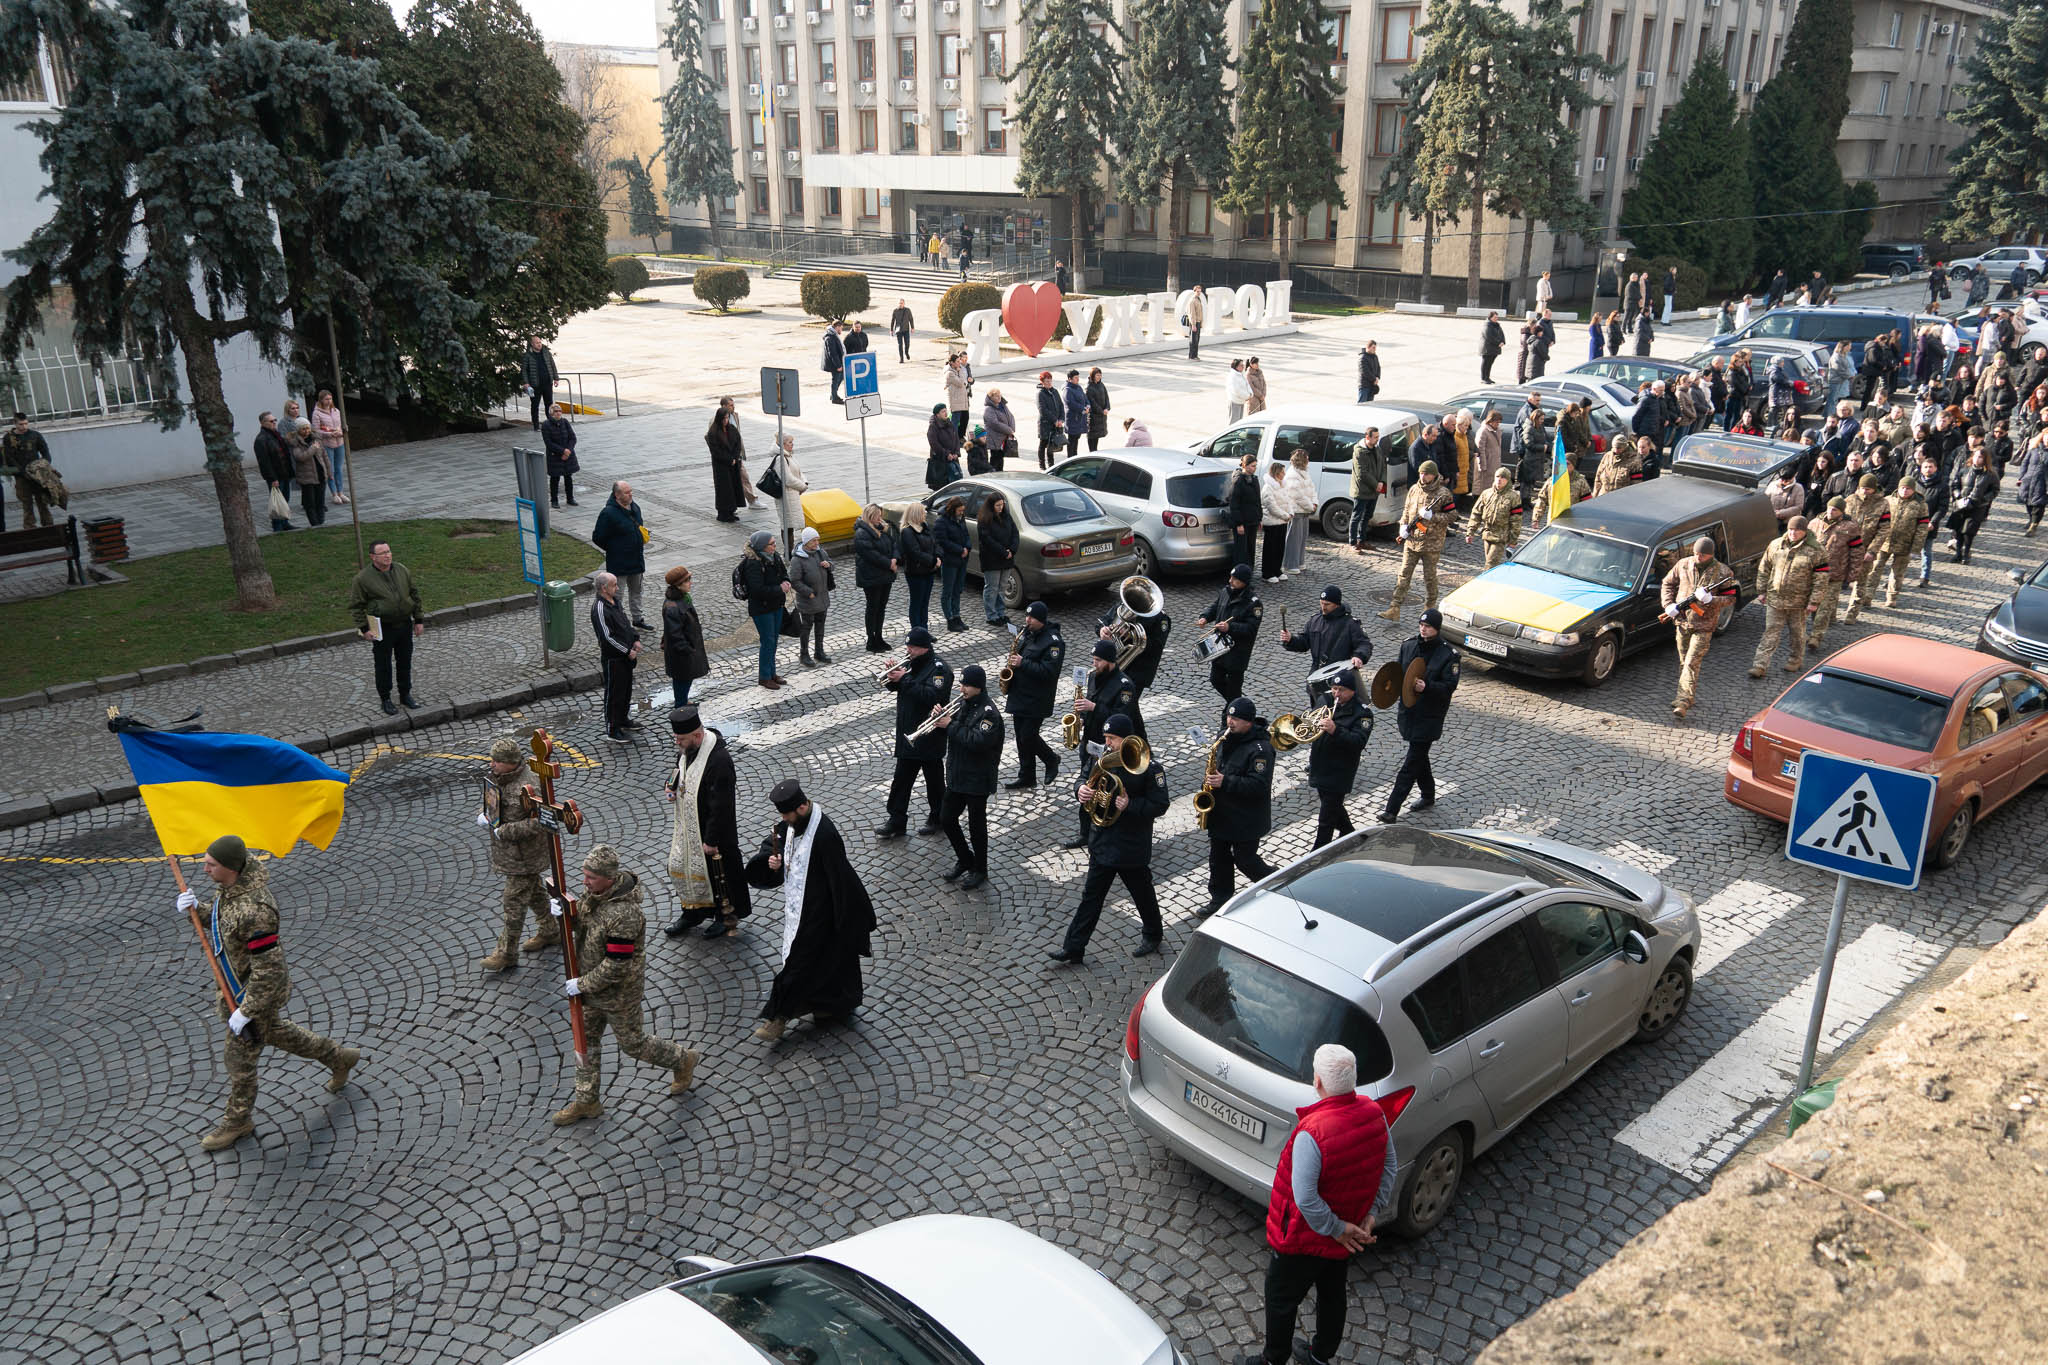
1411 683
1386 685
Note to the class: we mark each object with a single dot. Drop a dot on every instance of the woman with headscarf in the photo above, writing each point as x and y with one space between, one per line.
810 573
682 635
765 579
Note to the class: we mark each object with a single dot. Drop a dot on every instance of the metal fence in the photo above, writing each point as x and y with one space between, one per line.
55 384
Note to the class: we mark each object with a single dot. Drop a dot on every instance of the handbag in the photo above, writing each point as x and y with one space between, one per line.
280 510
831 579
770 482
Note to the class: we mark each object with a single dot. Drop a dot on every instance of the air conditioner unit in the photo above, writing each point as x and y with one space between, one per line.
907 11
906 86
1599 164
758 157
782 21
1585 74
793 157
812 17
753 92
1751 87
991 4
1337 72
862 10
1646 80
750 23
782 92
950 7
1635 163
829 87
950 84
1709 4
867 87
1943 30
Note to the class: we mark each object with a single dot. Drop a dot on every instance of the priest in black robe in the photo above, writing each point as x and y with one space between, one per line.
827 919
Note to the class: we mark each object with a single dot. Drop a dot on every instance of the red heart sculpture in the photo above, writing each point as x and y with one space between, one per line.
1031 312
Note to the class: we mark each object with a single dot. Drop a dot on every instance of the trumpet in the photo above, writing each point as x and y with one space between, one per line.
1127 758
1291 730
1205 800
947 712
884 669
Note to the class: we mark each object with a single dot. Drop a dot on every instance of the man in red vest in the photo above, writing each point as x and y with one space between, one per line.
1336 1177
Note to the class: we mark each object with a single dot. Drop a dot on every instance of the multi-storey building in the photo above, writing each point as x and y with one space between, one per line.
893 116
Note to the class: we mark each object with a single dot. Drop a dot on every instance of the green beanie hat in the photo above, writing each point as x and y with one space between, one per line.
230 852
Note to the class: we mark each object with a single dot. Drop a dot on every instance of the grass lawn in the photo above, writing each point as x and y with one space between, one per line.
179 607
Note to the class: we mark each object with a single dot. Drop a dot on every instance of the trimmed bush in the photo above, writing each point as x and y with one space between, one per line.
721 285
1692 281
1065 329
832 294
970 296
629 274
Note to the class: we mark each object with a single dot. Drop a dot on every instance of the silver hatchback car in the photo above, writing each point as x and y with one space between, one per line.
1173 500
1473 973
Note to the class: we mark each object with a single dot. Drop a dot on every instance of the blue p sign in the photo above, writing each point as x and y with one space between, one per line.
862 377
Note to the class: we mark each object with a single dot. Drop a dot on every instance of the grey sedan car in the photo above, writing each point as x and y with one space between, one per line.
1066 542
1474 974
1172 499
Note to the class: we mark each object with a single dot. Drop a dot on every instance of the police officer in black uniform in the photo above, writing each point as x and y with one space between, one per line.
1334 635
1039 653
1423 723
1122 848
1333 757
1110 693
1235 612
974 750
1143 670
1243 815
923 682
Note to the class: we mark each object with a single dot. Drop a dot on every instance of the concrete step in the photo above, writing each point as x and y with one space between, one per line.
890 278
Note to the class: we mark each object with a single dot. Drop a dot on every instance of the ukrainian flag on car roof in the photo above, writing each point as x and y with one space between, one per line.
200 786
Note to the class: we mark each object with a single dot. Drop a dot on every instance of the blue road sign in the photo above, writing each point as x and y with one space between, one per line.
862 376
1860 819
529 541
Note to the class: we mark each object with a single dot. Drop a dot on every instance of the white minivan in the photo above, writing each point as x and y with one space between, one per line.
1329 432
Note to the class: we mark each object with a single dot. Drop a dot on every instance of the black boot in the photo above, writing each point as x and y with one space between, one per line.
685 922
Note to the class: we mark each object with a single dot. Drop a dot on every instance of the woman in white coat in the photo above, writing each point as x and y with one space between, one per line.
1300 486
1276 508
790 506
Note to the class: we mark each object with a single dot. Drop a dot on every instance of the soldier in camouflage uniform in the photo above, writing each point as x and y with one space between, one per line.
1426 519
1619 467
611 932
1497 515
1786 580
1865 507
1902 536
520 853
1841 539
1696 591
242 937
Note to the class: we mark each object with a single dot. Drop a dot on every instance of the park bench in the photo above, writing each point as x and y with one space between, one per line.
44 545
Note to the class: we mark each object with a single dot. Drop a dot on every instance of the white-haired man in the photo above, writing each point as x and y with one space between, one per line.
618 645
1336 1178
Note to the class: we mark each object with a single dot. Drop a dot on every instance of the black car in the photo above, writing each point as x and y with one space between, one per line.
1896 259
2017 628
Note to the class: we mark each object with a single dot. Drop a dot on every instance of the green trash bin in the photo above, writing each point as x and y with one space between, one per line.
558 615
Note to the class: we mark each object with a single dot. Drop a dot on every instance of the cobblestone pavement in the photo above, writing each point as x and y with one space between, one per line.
430 1211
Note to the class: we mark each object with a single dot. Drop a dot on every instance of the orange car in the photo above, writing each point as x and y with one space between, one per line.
1979 724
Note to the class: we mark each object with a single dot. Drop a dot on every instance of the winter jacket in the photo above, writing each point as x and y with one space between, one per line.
1077 409
997 543
682 641
943 441
1098 409
2033 477
1276 504
1000 423
617 533
762 576
873 551
1052 415
558 437
918 552
807 575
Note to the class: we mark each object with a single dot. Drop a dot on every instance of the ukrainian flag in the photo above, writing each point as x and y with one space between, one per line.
1560 476
200 786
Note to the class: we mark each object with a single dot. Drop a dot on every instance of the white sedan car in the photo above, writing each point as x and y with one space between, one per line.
937 1290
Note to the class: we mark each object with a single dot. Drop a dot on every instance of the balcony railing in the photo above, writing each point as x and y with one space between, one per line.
56 384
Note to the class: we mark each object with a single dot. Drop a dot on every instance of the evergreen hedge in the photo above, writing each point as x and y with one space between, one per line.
721 285
629 274
833 294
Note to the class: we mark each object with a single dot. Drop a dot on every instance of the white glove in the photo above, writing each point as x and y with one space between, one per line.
1702 595
237 1022
1423 515
482 821
573 986
554 907
187 901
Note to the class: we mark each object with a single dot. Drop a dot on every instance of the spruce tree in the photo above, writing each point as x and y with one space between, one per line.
696 139
177 165
1176 132
359 28
1999 183
1535 151
644 217
1067 112
1819 52
1285 158
1692 198
1795 181
476 70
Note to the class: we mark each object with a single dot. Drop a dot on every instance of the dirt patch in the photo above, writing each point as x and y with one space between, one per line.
1903 1224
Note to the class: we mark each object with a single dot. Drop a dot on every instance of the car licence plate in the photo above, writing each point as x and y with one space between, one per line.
1228 1115
1479 644
1789 769
1102 549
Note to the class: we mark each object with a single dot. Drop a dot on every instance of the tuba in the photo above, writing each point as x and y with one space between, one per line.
1291 730
1205 800
1138 600
1127 758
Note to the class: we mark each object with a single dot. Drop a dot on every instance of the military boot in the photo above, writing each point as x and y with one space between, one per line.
226 1135
500 961
577 1111
536 943
344 1062
687 1072
769 1030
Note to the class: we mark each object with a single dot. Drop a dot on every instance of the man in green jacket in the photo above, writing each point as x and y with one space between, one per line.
386 606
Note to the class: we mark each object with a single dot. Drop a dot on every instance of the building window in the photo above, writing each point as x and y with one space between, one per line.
1755 45
748 9
1603 139
1337 129
864 58
714 11
1728 51
757 132
793 198
994 138
1256 227
870 134
949 54
906 130
753 66
1144 220
1870 166
53 382
718 67
1898 157
871 203
1884 96
1777 46
828 201
1397 34
1919 39
1382 226
828 131
1337 28
785 60
994 61
1635 130
1942 108
906 59
1200 213
1388 125
761 198
1321 225
1646 46
792 129
729 206
1613 38
949 130
1677 54
828 62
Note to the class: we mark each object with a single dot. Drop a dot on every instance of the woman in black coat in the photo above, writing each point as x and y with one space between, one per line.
997 532
559 439
727 452
874 570
918 552
942 439
1052 418
950 532
1098 408
682 635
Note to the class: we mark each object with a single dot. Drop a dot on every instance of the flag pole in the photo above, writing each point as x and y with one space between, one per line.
178 875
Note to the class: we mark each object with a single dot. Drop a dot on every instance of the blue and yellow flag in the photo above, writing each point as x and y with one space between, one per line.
1560 476
200 786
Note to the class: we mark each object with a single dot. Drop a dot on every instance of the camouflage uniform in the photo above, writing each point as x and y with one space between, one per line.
611 932
244 924
1842 539
1902 536
1866 507
1497 519
1422 546
1785 580
1694 626
520 853
1619 467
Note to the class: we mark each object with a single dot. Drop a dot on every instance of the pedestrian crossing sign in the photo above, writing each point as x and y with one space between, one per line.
1860 820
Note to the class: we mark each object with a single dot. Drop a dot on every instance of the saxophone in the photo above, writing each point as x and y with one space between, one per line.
1205 800
1070 723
